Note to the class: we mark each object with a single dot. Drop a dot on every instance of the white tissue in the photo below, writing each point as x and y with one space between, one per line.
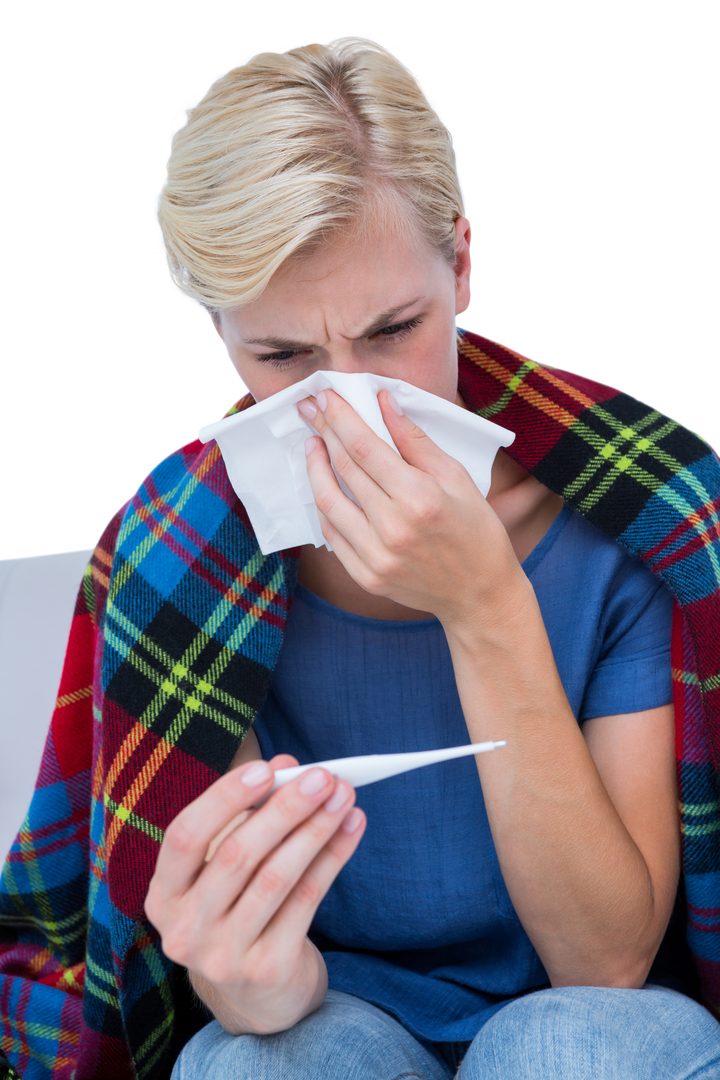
264 448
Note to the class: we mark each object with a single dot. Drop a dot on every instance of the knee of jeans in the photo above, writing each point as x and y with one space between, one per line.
601 1030
198 1056
345 1037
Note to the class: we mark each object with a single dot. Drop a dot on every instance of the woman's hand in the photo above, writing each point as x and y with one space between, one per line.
239 920
425 536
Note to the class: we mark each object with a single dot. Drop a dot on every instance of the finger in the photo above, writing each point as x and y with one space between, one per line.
186 840
415 446
366 463
283 761
280 873
294 918
354 538
239 855
321 463
280 761
339 516
389 470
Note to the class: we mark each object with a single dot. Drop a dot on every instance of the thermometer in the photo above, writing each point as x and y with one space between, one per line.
368 768
358 771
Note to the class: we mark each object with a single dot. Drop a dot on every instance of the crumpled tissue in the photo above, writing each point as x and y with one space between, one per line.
264 448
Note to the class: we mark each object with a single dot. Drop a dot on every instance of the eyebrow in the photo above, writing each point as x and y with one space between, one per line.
380 323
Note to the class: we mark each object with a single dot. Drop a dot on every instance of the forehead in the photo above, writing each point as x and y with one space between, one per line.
377 258
344 284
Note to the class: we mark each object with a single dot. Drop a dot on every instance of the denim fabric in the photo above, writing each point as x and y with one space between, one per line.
573 1033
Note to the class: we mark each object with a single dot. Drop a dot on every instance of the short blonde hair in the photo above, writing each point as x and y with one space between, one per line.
289 150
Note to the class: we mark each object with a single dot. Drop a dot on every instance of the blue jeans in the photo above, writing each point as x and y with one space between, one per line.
573 1033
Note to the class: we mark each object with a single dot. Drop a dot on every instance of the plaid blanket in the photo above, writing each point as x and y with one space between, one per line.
176 632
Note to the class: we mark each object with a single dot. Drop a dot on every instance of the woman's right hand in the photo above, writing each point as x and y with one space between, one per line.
239 921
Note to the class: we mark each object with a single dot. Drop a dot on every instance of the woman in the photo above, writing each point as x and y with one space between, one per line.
502 917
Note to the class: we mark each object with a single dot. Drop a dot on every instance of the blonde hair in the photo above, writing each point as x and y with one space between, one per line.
289 150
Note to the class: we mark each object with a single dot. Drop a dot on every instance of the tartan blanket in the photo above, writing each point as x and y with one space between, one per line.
175 635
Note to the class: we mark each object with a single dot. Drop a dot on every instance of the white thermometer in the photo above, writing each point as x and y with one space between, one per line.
368 768
365 769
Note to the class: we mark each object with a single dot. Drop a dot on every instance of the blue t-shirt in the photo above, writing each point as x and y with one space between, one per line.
419 922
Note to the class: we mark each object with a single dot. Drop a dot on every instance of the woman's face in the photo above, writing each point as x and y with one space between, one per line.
383 305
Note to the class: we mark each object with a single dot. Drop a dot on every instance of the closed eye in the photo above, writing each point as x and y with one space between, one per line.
401 329
286 357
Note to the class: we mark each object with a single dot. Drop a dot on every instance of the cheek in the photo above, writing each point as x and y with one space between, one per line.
265 382
432 366
436 369
261 381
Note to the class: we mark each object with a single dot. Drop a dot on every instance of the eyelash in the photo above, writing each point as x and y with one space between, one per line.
398 331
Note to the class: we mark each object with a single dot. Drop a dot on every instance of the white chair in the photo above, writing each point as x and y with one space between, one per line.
37 599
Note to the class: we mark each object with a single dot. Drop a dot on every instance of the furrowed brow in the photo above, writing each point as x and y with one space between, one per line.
286 345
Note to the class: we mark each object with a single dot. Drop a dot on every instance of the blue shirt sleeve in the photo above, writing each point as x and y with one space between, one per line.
633 670
608 618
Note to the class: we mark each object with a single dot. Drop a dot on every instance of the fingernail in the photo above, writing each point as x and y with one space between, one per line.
338 799
257 774
307 408
395 405
353 821
322 401
312 781
309 446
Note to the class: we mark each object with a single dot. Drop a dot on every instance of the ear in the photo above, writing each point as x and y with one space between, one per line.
214 320
464 265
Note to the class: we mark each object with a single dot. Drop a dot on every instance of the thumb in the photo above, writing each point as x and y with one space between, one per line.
414 445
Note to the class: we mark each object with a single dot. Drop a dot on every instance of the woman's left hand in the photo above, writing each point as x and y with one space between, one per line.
425 536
